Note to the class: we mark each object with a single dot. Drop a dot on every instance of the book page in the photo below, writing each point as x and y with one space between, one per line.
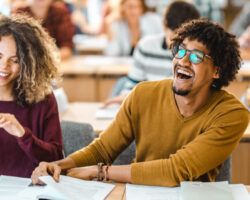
77 189
10 185
239 192
208 190
135 192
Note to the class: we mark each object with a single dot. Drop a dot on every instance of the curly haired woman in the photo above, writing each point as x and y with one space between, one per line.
29 122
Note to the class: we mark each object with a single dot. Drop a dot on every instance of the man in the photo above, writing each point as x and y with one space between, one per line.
152 56
184 128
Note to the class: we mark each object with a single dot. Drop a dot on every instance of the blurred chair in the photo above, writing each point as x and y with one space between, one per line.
76 136
127 156
225 171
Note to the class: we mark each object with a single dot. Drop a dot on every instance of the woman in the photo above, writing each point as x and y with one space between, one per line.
29 123
132 23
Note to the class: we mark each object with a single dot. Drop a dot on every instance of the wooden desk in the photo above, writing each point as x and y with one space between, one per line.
85 112
91 78
118 193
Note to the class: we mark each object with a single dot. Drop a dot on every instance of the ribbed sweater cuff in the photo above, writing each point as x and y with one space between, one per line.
152 173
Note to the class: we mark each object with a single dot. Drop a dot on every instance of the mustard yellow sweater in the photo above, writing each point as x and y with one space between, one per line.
169 147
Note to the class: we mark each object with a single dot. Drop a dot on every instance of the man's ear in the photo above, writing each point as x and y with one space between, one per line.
216 72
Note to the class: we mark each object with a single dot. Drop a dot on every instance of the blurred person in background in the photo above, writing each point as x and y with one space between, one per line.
85 15
244 41
55 18
241 22
7 6
241 28
210 9
153 56
132 23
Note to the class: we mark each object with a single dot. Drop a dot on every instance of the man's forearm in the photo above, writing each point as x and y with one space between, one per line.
120 173
66 163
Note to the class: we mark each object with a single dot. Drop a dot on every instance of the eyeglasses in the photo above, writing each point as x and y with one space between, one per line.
195 56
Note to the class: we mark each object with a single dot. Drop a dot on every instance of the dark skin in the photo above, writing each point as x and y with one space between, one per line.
199 86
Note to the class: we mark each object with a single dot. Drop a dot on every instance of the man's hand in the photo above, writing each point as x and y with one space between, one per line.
44 169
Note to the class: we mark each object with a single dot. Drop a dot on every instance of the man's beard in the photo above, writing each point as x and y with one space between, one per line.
180 92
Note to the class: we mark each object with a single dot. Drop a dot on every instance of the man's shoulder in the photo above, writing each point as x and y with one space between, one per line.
226 101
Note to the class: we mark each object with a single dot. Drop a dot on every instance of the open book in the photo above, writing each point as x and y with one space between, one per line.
188 190
196 190
15 188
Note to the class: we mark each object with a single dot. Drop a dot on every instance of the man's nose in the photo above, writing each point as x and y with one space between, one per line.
185 60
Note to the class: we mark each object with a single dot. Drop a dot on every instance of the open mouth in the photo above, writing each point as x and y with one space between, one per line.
4 74
183 74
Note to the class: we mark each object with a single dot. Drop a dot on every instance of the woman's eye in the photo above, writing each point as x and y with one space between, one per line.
15 61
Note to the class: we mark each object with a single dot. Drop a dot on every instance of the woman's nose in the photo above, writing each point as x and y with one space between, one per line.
3 63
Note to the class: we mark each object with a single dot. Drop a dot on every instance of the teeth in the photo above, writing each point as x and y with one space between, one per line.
184 72
3 74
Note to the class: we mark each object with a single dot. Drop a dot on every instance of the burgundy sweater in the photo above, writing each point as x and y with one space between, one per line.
42 140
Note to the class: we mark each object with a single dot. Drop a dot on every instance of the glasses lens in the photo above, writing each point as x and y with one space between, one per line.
196 57
180 53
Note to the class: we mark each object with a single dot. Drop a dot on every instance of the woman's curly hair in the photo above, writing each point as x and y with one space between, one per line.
37 55
222 46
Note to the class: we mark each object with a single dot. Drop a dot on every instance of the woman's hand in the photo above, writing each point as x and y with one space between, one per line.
10 124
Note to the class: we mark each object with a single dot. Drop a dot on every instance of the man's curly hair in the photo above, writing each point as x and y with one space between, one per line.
222 46
37 57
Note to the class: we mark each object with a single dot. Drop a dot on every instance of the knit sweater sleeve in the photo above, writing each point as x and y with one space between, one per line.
48 145
112 141
198 157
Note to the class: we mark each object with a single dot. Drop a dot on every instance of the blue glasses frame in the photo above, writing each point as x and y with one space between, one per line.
195 56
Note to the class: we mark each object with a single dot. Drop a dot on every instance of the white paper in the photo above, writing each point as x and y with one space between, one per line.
210 190
10 186
239 192
136 192
15 188
77 189
108 112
